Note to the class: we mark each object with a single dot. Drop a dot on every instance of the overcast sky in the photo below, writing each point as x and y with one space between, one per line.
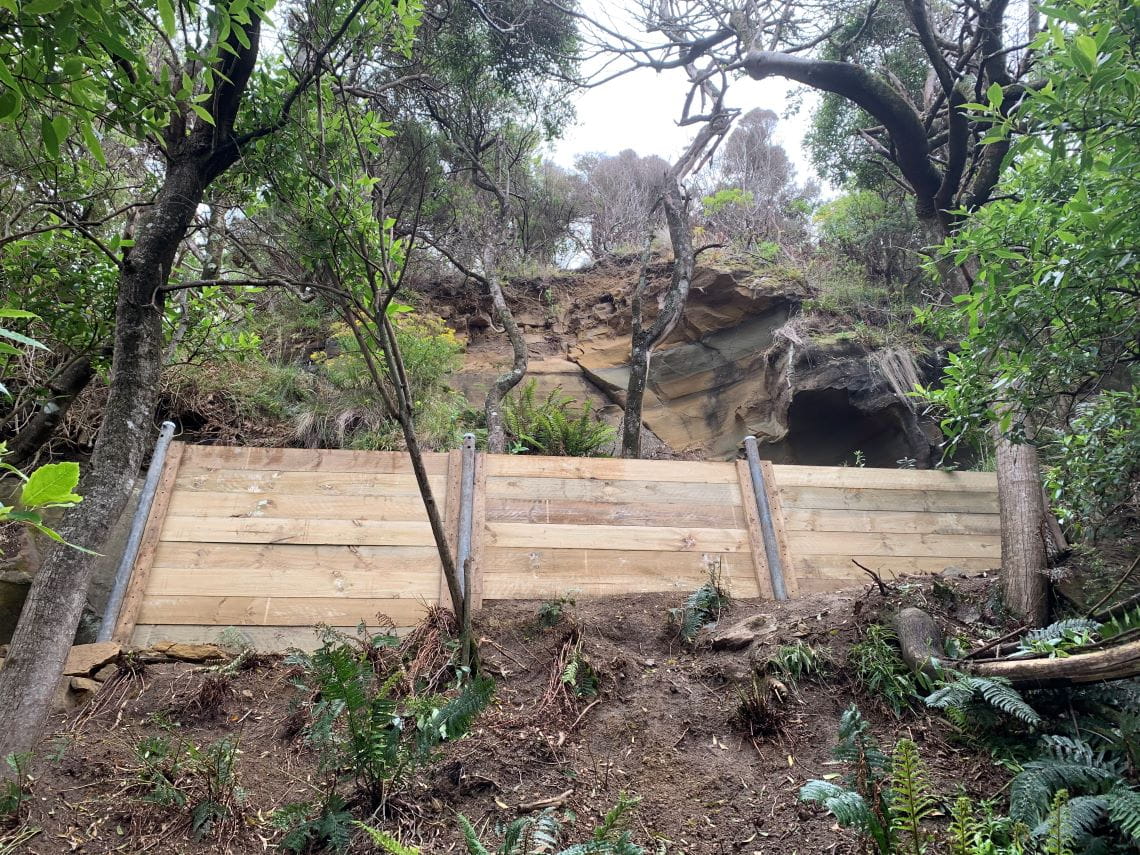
641 109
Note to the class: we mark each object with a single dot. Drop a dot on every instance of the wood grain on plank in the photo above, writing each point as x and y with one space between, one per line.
451 519
238 557
317 581
309 460
779 524
610 469
269 639
279 611
646 538
860 478
930 501
479 531
189 503
755 532
840 566
613 513
136 588
527 573
907 522
578 490
278 530
257 482
888 544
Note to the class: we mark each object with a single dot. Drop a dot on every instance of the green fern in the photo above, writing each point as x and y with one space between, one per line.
386 841
1056 834
1066 764
1123 803
542 834
701 608
910 798
955 698
556 426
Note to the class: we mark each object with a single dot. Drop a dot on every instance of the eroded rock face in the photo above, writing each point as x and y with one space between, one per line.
734 365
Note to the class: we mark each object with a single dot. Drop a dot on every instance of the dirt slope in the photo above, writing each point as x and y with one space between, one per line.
663 727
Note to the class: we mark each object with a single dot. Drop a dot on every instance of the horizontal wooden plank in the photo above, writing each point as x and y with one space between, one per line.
257 481
200 457
892 521
534 573
238 557
191 503
614 513
279 530
840 567
611 469
888 544
929 501
860 478
268 639
314 581
578 490
646 538
278 611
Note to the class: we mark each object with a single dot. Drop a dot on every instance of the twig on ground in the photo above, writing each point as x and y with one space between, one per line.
878 579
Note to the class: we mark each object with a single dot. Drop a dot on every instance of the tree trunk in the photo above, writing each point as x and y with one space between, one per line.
62 392
493 407
58 593
644 340
1025 590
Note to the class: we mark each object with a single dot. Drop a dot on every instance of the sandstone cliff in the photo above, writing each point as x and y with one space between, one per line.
744 359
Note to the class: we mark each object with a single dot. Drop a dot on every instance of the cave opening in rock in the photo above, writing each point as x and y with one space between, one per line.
826 429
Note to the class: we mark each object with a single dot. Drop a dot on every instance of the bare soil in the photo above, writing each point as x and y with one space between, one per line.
663 727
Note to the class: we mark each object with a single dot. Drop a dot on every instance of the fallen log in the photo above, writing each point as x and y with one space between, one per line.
920 642
1112 663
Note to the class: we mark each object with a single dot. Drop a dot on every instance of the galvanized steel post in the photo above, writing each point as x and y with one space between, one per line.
134 538
767 528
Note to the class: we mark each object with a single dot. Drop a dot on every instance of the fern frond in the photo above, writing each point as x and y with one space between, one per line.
615 816
996 691
961 826
847 806
1123 805
1059 628
1067 764
857 744
1074 820
454 718
471 838
911 801
385 841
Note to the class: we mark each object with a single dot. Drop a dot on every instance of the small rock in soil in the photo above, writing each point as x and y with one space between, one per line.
86 658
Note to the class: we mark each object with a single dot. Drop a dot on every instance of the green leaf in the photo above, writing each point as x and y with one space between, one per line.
92 143
42 7
7 312
202 113
22 339
52 485
49 136
6 77
995 95
9 103
166 12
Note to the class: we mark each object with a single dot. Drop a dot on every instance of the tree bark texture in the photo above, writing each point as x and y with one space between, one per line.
643 339
195 155
58 593
41 427
493 405
1025 589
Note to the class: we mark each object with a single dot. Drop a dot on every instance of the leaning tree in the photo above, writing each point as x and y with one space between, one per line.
189 83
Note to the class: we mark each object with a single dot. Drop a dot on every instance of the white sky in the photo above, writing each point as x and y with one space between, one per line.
641 109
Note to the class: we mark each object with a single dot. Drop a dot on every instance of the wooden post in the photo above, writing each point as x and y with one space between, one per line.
148 545
767 529
755 536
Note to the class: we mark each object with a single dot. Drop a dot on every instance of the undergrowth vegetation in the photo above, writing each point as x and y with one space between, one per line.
555 425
